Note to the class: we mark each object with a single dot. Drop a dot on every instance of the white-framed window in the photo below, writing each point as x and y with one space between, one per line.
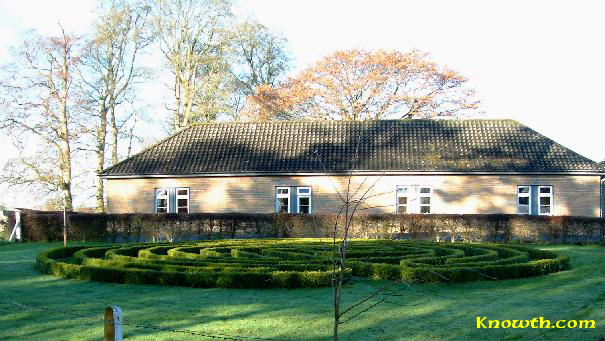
413 199
425 195
282 199
403 199
303 198
162 202
182 200
524 199
545 198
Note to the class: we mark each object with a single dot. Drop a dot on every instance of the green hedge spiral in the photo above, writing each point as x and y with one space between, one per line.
295 263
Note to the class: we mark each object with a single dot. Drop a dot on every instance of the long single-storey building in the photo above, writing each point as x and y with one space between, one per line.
397 166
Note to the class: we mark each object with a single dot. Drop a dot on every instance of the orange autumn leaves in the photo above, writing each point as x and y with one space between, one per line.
366 85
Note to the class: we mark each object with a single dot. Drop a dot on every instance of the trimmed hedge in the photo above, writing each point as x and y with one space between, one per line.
295 263
43 225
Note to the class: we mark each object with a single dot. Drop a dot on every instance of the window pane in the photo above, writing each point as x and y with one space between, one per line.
282 204
544 189
523 200
181 192
402 200
402 209
303 201
524 209
183 210
161 192
425 209
304 190
282 191
182 202
544 200
303 209
523 189
402 190
425 200
162 203
425 190
544 209
161 210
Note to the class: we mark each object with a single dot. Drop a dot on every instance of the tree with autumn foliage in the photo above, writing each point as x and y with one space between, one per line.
366 85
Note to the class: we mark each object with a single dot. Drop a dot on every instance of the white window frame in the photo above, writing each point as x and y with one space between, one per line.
524 195
281 195
545 195
414 202
156 197
181 196
407 195
425 195
303 195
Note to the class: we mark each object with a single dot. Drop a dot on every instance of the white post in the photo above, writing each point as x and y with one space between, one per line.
113 328
17 228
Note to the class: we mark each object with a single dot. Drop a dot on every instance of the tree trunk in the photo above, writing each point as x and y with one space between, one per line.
177 101
101 139
65 149
66 166
188 105
114 135
337 291
66 189
130 138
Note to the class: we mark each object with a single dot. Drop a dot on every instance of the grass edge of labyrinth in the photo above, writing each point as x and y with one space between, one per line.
295 263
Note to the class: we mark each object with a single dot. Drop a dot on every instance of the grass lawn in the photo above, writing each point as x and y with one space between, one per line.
422 312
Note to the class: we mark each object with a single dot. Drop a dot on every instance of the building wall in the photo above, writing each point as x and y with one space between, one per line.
457 194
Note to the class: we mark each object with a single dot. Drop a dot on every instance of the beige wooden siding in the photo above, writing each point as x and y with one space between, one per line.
573 195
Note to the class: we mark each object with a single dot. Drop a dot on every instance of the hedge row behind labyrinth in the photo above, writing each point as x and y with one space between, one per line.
47 226
295 263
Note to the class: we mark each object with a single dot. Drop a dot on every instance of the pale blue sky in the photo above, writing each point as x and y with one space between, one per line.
540 62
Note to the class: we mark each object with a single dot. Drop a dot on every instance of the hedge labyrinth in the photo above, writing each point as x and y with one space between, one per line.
295 263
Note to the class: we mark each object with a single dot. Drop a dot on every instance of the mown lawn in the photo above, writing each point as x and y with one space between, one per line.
420 312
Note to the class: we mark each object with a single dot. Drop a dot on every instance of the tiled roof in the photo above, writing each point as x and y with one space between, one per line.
335 146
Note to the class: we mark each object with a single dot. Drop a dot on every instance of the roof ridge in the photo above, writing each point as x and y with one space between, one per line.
201 124
153 145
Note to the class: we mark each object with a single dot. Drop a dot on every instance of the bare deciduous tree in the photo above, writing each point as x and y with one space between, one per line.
353 198
39 104
261 55
213 91
193 36
258 57
109 73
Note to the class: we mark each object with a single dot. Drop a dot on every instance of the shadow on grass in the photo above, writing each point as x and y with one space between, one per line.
440 311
